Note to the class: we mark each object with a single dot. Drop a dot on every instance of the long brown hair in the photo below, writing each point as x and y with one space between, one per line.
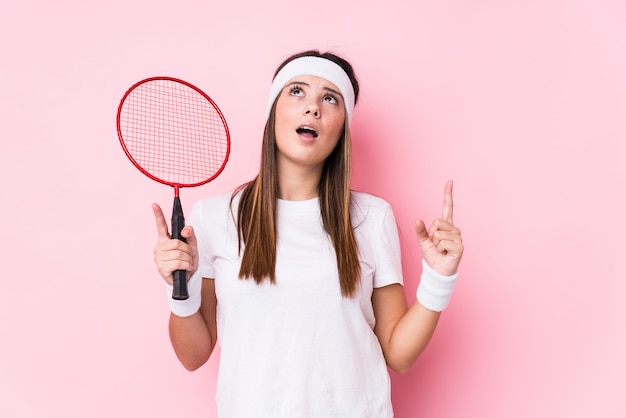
256 217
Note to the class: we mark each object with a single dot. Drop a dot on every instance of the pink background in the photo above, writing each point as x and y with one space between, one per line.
522 103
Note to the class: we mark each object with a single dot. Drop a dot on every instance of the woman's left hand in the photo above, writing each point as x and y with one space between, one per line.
441 244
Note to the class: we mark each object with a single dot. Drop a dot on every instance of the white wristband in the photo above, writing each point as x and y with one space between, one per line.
191 305
435 290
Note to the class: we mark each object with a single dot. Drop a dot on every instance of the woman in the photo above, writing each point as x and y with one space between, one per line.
299 276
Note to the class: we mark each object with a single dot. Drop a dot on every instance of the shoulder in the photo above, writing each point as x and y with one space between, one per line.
221 206
218 201
369 207
369 200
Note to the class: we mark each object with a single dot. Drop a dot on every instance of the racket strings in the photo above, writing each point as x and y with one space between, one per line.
174 132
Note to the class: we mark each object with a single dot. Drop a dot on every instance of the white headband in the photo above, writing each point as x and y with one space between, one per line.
319 67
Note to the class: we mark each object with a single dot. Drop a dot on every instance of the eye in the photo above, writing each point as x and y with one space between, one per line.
329 98
295 90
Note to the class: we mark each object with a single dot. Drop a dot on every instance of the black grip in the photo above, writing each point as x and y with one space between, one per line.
180 285
180 276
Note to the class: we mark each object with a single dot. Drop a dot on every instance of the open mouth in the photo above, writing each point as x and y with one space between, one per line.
307 131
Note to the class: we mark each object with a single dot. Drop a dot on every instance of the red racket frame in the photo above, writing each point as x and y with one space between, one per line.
176 186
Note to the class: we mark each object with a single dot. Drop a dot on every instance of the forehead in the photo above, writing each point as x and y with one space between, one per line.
314 82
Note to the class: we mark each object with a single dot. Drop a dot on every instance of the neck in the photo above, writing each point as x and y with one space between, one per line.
299 183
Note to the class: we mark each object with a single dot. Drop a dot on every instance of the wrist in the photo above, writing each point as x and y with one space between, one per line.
190 305
435 290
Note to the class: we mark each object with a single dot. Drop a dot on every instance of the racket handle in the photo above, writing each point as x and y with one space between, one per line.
180 276
180 285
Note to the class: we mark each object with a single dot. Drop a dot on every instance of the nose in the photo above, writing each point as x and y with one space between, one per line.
312 109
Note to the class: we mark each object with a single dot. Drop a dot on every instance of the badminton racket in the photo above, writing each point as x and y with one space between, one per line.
176 135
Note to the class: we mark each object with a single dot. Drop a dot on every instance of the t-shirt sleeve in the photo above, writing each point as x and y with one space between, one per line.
387 249
197 219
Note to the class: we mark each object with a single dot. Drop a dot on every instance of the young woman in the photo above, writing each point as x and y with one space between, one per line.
298 276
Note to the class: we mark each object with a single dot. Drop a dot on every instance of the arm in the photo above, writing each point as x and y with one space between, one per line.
403 333
193 337
192 325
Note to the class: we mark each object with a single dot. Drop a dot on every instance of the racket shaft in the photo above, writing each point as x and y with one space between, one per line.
180 276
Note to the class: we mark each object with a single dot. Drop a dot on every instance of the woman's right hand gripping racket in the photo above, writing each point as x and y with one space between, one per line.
176 135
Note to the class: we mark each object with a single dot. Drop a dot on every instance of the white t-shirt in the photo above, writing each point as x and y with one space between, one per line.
297 348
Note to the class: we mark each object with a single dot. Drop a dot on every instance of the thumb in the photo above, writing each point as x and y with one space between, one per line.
423 240
421 232
189 234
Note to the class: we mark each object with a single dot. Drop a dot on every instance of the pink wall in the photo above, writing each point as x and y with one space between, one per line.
522 103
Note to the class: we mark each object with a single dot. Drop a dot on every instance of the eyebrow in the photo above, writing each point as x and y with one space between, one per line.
308 85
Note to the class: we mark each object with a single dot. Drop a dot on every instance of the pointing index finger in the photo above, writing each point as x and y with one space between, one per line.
161 223
448 204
